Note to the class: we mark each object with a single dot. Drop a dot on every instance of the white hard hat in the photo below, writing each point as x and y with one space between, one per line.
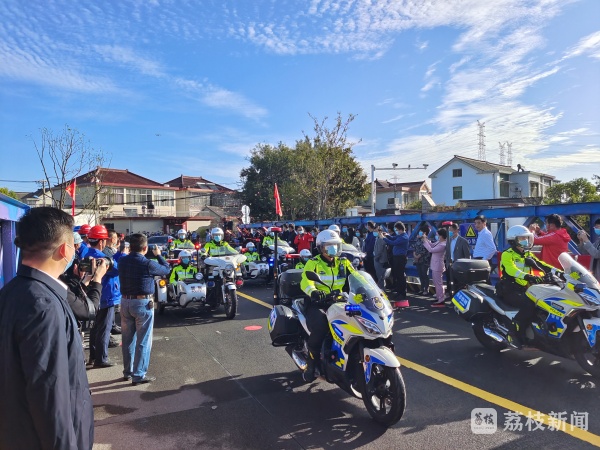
335 228
518 234
329 237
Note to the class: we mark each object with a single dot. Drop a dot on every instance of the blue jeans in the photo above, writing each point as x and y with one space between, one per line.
137 320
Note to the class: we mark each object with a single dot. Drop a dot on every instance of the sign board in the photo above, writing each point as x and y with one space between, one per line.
469 232
245 214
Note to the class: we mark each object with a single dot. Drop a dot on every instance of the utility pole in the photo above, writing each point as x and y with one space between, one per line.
394 167
509 162
501 152
43 183
481 136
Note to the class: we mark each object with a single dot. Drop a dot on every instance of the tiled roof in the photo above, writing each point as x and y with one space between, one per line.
186 182
484 166
414 186
117 177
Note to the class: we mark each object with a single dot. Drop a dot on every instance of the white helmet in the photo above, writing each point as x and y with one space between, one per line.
184 254
217 234
305 255
270 231
328 238
182 234
250 246
519 235
335 228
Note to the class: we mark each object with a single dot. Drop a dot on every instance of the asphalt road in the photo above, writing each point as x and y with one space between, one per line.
222 386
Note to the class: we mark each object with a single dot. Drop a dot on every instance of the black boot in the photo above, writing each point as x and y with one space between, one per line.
309 374
515 336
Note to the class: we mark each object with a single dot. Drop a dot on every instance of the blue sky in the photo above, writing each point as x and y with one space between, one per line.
190 87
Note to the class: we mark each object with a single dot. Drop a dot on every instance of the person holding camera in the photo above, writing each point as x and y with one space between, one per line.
111 296
44 391
84 287
136 273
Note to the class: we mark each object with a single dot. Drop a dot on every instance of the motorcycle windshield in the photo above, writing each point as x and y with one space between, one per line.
577 271
367 293
223 251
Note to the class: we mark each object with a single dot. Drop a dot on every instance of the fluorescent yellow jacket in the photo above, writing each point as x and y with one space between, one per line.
333 274
181 273
252 256
186 243
514 268
213 248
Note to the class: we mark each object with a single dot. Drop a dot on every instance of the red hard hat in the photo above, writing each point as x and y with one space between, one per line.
84 230
98 232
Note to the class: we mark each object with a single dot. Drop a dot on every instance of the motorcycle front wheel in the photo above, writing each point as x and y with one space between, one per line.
385 394
230 303
587 357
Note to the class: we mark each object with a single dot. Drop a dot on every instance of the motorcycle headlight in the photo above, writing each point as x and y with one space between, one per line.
199 276
263 259
370 327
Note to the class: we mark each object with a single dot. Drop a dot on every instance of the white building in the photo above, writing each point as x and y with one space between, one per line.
392 197
463 179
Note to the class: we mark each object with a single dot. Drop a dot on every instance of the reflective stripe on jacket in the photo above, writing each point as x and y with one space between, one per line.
332 274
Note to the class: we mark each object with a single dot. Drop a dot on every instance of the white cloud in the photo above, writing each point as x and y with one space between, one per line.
588 45
128 57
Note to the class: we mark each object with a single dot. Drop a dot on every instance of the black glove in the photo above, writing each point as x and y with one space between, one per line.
533 279
317 298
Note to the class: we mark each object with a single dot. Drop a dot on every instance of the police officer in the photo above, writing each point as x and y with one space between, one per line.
182 271
516 263
333 271
182 241
305 255
251 253
217 246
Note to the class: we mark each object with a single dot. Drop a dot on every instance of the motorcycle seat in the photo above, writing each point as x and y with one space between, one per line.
300 305
490 291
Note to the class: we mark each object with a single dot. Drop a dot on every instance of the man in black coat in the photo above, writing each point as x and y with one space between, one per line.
45 396
457 247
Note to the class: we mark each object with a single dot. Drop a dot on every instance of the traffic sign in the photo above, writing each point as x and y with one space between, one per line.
469 232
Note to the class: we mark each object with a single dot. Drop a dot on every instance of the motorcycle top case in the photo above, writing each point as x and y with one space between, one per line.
469 304
469 271
289 283
284 326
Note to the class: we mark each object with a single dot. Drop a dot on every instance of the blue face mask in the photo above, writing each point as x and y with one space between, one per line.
420 233
435 238
70 263
185 260
375 233
524 243
450 233
597 231
331 250
217 238
345 230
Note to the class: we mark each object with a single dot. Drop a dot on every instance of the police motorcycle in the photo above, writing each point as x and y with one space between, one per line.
287 286
223 276
185 291
252 270
567 321
358 355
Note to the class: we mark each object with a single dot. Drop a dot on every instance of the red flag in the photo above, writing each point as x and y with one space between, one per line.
277 201
70 189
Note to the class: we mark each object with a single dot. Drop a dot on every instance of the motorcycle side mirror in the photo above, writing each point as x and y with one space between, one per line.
312 276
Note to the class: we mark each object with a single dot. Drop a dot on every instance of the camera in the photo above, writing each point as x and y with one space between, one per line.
85 265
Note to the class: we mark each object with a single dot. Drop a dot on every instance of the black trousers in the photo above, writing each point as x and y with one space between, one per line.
316 319
100 335
514 295
398 271
370 266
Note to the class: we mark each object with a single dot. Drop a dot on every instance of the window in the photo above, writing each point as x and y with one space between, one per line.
457 192
164 198
139 196
115 196
456 173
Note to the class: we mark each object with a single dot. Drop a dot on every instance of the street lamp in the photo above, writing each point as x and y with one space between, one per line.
394 167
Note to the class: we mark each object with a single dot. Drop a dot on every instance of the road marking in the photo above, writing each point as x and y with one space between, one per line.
576 432
255 300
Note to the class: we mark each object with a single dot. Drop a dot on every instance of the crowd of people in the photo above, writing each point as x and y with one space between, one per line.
66 279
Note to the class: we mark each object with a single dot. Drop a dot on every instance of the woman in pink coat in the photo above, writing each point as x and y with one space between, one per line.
437 250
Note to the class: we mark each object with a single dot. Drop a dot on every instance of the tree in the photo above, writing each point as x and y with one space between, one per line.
578 190
64 156
9 193
317 178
